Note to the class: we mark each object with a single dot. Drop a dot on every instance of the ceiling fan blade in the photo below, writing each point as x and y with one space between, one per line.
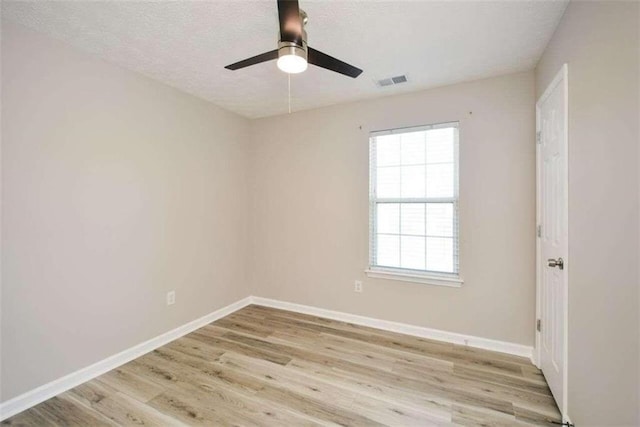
263 57
330 63
290 22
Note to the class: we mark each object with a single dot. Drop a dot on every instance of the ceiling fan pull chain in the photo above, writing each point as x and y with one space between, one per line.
289 80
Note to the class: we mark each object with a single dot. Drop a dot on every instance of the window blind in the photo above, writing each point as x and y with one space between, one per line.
413 200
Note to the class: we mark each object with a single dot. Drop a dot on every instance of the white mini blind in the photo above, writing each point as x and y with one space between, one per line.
413 200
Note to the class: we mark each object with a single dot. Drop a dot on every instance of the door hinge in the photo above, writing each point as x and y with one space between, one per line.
538 137
538 325
539 230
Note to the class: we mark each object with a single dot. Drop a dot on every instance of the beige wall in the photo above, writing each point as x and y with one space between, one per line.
116 189
599 41
309 231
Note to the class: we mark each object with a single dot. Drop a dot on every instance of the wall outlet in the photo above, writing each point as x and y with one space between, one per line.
358 286
171 297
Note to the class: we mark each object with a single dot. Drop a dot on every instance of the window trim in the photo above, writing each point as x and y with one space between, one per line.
415 276
404 274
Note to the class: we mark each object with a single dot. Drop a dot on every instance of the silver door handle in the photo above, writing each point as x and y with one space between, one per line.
556 263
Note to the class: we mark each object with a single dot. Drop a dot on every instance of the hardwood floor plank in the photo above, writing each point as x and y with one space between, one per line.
358 352
30 417
437 407
533 373
261 411
135 386
466 416
209 335
240 326
196 348
120 408
181 407
321 410
180 376
262 366
550 417
64 411
515 381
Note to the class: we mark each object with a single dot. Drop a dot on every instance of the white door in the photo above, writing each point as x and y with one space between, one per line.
551 127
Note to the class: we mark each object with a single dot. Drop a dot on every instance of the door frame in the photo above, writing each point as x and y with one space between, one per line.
560 78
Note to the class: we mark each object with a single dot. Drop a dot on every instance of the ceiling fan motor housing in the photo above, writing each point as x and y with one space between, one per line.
290 48
297 48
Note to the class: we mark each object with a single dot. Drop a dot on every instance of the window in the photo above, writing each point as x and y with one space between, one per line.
413 203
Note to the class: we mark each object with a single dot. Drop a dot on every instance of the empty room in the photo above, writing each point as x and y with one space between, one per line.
320 213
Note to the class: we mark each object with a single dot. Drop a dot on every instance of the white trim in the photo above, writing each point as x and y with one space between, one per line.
55 387
562 76
429 279
403 328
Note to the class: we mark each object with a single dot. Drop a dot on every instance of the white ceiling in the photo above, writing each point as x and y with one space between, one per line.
186 44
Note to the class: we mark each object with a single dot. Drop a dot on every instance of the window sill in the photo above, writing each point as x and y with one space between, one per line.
429 279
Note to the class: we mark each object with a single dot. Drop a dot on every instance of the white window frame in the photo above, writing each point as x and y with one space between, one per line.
403 274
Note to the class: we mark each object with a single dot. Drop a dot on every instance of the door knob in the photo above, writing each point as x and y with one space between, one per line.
556 263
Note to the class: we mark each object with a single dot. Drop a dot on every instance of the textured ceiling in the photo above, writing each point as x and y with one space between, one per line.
186 44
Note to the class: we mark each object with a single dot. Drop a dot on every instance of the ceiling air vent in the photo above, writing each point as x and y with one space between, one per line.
399 79
392 81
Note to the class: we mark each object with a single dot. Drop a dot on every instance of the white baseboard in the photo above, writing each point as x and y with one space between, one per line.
403 328
46 391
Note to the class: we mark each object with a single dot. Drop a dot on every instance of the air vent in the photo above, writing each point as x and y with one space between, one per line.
392 81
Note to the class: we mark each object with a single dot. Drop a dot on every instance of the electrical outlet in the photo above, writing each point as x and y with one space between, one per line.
171 297
358 286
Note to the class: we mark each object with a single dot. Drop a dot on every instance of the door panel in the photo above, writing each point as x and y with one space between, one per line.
551 119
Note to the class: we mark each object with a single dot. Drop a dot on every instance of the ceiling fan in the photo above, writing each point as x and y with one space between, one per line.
293 54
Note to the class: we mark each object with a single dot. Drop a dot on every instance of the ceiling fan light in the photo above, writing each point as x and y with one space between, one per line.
292 64
292 58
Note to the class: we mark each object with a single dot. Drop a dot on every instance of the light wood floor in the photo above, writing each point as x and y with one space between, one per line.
261 366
